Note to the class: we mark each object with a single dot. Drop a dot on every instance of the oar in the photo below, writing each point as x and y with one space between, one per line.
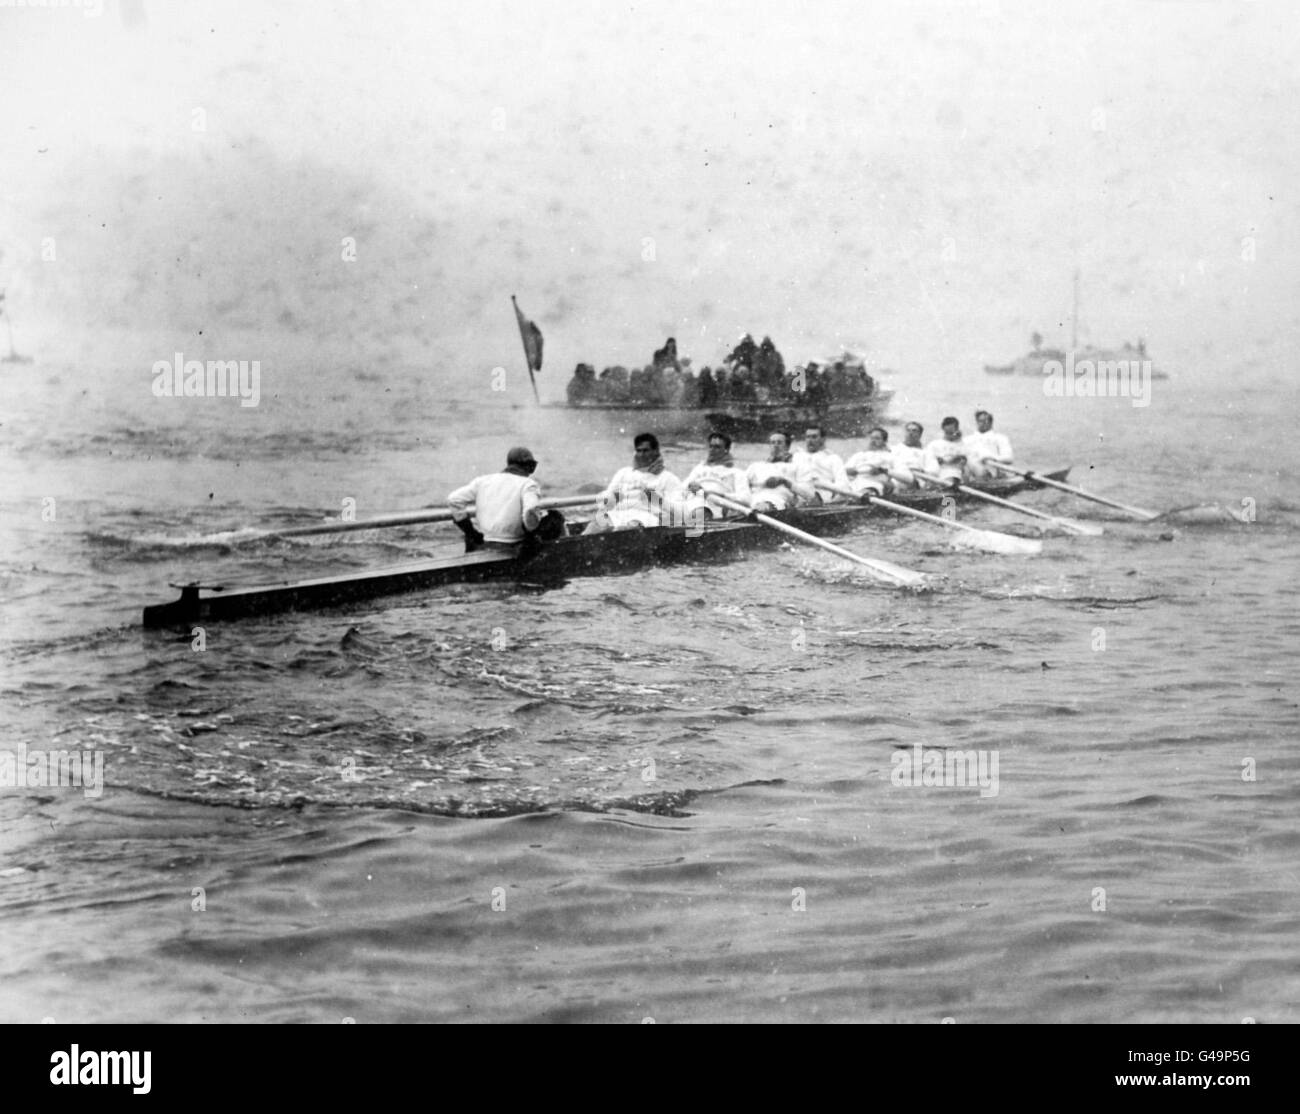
1064 523
1037 477
988 540
410 518
883 570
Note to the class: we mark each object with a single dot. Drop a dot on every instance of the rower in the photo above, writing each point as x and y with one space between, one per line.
945 457
773 483
815 465
642 495
985 447
505 504
718 474
909 457
868 470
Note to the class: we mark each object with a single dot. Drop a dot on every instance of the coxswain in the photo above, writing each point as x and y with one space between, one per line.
773 483
504 503
717 474
643 495
869 470
985 448
909 457
945 457
815 465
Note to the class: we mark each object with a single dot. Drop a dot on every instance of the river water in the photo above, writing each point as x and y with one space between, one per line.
666 795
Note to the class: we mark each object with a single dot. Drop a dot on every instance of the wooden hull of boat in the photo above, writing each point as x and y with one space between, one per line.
575 555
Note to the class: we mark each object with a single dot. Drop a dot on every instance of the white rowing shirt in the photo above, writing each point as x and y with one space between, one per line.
504 504
779 497
986 446
946 459
907 460
872 467
821 467
641 498
727 479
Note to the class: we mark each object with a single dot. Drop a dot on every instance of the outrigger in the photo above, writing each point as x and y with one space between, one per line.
573 555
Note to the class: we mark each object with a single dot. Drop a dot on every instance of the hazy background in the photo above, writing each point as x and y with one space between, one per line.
919 182
916 180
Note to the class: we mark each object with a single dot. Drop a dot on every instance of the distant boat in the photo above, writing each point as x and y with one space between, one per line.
741 421
842 397
1033 362
1038 357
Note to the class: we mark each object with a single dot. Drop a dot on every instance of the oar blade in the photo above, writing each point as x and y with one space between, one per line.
1089 529
989 541
1073 489
907 578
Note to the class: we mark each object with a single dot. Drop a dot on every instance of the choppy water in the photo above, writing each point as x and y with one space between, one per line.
674 787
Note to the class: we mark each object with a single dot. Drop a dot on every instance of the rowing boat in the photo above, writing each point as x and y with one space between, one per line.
573 555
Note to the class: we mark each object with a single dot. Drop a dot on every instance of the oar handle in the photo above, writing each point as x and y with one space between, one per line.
1039 478
410 518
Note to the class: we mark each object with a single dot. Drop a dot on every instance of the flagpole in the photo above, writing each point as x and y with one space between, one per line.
527 361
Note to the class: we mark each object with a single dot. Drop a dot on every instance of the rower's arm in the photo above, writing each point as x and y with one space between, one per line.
804 485
608 499
462 499
530 497
667 497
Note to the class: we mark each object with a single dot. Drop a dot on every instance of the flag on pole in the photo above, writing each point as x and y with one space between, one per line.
531 335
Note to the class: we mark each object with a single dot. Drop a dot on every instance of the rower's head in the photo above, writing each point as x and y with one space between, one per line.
951 429
814 438
522 460
877 438
912 434
719 446
645 448
983 421
778 447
